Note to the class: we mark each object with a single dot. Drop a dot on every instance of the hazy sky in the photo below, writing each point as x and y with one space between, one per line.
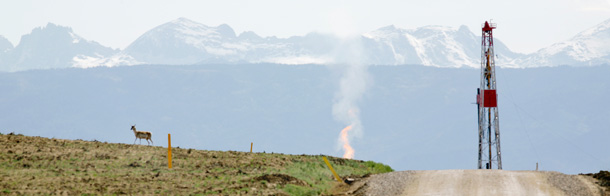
523 25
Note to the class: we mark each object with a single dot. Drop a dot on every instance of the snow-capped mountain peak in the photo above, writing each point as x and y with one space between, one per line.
51 46
590 47
188 29
183 41
429 45
600 29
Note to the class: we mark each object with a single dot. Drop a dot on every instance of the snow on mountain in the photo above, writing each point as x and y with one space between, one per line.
50 47
430 45
183 41
590 47
119 59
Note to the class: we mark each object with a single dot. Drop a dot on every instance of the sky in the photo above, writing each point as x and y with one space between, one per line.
525 26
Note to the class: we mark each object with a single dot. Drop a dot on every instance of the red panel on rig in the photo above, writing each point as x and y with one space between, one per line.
491 99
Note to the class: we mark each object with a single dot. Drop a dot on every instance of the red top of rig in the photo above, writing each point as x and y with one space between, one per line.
488 27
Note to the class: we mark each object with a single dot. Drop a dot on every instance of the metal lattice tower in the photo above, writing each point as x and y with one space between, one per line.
489 145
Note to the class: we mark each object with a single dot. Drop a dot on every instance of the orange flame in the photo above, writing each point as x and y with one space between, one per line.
349 151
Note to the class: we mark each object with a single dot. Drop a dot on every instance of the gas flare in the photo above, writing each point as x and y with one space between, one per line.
352 85
349 151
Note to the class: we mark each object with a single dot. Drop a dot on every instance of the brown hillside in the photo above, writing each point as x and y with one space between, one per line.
37 165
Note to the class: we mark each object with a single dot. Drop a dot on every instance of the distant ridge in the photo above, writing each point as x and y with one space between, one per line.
184 42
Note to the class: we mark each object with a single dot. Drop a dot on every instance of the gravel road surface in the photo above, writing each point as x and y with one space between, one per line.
477 182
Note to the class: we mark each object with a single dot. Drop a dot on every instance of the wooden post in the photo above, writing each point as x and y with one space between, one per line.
332 170
169 150
251 144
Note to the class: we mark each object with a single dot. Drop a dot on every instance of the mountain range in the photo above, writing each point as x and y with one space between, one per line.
185 42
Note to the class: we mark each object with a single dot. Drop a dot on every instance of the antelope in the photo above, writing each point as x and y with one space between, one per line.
141 135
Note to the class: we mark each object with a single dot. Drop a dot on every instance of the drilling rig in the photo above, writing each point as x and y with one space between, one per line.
487 104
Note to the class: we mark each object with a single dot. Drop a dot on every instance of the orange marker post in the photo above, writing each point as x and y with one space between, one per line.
251 144
332 170
169 150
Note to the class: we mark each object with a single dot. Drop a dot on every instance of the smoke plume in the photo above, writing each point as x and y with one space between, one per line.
352 85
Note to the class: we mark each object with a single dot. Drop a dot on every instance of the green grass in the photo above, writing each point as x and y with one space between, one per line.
299 190
315 172
378 167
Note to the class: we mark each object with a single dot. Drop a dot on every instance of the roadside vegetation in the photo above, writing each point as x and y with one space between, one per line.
36 165
602 179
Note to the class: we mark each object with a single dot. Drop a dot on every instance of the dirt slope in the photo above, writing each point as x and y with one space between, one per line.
477 182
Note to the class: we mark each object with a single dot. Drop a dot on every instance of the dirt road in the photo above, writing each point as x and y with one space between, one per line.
477 182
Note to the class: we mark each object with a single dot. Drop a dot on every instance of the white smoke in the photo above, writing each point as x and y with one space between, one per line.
349 61
352 85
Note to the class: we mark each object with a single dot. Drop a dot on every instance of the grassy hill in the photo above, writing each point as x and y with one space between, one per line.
36 165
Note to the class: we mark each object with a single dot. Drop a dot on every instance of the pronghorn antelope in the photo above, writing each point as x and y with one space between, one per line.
141 135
